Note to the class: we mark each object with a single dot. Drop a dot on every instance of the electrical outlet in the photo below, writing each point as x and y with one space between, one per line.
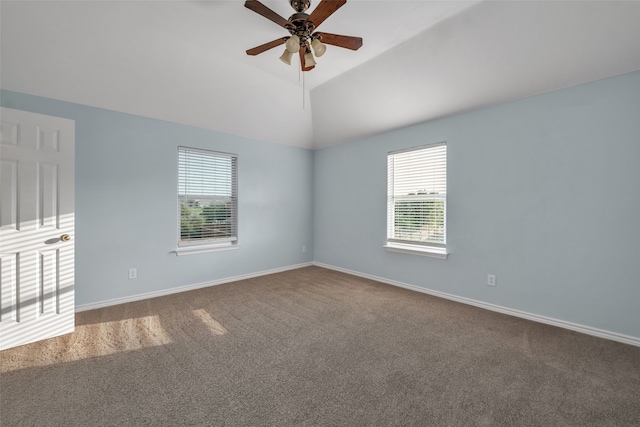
304 249
491 280
133 273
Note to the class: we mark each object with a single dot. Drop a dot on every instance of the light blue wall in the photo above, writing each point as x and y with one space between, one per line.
126 202
544 192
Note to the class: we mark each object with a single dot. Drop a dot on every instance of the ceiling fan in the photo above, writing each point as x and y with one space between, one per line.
304 39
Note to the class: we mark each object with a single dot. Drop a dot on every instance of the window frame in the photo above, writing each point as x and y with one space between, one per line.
203 245
425 248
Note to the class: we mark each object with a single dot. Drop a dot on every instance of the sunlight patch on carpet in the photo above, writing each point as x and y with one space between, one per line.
89 340
212 324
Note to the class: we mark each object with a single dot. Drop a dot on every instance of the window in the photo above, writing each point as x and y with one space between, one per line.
417 200
207 200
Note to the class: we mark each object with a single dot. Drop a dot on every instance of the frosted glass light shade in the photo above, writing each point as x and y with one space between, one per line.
318 47
286 57
308 60
293 44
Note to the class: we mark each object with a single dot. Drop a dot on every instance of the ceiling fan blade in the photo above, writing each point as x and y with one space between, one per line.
324 10
263 10
264 47
347 42
302 52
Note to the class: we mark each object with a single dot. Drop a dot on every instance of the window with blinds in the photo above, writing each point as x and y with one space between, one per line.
417 198
207 197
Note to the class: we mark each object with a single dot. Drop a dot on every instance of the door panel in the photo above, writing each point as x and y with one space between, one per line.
37 173
9 191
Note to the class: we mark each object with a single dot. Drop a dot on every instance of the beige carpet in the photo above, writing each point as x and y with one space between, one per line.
316 347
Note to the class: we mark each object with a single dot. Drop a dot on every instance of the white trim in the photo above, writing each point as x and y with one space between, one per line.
429 251
613 336
190 250
208 152
154 294
419 147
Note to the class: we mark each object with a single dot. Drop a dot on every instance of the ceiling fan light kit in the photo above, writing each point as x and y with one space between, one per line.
318 47
293 44
302 28
286 57
309 61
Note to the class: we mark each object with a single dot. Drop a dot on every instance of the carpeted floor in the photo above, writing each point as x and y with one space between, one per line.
316 347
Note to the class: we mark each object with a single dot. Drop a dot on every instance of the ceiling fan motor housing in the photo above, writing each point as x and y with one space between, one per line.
302 27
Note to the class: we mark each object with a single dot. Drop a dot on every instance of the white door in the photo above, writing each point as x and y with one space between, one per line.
37 181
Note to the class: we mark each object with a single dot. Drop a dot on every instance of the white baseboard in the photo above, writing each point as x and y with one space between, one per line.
613 336
154 294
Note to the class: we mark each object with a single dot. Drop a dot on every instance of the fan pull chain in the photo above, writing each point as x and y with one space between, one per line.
301 79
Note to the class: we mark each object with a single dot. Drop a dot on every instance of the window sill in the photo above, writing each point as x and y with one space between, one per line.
440 253
192 250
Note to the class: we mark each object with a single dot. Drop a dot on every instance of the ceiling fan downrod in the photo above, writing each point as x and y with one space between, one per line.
300 5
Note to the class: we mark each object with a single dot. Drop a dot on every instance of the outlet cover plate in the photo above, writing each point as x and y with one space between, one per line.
491 280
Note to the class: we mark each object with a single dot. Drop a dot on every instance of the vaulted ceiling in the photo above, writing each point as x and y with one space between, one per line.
185 61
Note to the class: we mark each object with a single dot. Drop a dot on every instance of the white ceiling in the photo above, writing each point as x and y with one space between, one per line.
185 61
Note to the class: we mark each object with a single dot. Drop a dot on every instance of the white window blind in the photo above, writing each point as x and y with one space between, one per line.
417 196
207 197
